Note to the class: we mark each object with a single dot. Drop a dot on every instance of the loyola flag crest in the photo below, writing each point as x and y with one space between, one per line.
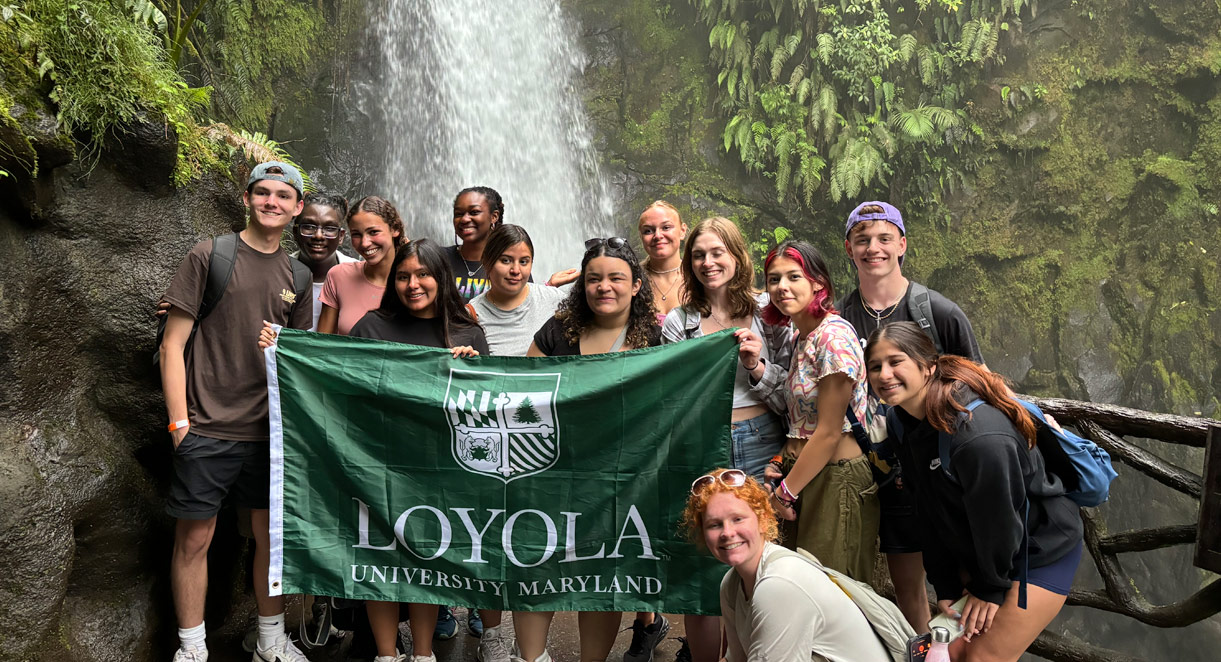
503 424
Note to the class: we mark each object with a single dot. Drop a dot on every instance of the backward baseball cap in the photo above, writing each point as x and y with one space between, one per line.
288 174
889 213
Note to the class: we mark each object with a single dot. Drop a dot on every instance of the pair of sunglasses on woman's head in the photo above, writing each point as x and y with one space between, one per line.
728 478
610 242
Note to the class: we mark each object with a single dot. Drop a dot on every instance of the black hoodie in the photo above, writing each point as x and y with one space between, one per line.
971 523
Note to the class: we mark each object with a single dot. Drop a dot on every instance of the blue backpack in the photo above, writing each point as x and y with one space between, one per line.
1084 468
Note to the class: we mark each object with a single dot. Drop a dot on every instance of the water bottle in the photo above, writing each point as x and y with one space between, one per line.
939 651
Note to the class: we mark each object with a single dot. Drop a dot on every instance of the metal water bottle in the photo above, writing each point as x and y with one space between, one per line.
939 651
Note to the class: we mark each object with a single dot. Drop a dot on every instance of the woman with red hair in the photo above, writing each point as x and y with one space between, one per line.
828 487
775 605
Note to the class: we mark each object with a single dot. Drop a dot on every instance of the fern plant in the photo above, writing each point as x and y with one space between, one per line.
808 85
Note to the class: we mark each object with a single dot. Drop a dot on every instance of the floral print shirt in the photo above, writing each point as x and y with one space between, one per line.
832 347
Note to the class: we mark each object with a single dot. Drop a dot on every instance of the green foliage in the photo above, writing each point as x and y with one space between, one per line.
806 84
254 55
105 65
104 70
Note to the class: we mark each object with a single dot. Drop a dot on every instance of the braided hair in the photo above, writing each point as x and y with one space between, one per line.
491 196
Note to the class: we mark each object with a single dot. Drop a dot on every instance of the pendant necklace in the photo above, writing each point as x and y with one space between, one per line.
878 315
467 265
665 294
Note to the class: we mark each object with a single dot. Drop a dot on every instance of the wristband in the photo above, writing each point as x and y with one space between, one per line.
786 496
179 425
752 368
776 460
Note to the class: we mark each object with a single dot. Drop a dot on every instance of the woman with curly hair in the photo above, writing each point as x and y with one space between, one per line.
775 605
610 309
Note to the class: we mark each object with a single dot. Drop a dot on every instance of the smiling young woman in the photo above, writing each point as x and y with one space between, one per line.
661 233
353 289
775 605
1001 517
828 484
718 294
610 309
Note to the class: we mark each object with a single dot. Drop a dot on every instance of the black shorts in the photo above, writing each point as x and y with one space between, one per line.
899 531
207 470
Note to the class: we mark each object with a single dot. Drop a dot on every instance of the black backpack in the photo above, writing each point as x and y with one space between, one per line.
220 270
918 307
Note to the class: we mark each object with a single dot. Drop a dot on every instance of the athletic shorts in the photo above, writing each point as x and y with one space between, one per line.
207 470
899 530
1057 576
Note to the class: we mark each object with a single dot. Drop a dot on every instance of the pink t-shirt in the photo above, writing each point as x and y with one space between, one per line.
347 291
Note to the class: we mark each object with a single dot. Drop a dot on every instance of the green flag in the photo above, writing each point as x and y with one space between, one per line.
400 473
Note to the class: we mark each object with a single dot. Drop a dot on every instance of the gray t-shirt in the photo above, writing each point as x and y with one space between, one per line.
510 332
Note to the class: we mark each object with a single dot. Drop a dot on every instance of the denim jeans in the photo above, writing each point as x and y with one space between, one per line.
755 441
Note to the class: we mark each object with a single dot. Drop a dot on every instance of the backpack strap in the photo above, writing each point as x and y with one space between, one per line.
921 311
220 270
303 282
471 309
943 439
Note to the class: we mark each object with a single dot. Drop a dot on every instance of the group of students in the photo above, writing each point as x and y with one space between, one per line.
830 486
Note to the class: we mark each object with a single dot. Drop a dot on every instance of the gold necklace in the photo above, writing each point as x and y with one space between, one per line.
665 294
877 315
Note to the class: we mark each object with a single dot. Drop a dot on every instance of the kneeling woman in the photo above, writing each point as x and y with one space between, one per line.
775 605
609 309
976 515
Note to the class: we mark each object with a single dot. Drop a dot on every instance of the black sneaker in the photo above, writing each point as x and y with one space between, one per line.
645 638
684 653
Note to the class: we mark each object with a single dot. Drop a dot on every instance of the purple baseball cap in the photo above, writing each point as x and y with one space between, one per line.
888 213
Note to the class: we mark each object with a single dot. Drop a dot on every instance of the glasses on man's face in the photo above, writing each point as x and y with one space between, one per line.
328 231
611 242
728 478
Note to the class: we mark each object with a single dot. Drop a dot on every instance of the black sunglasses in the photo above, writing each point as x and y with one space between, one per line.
610 242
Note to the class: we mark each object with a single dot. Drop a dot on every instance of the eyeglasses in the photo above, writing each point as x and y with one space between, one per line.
610 242
328 231
728 478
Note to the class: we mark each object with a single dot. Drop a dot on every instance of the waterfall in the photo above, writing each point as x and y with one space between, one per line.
485 93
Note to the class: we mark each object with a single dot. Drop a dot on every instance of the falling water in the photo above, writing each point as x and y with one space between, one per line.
484 92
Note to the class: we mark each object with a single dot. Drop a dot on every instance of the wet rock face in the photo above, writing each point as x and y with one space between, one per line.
84 257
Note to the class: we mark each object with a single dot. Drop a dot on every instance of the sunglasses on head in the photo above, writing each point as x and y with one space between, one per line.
610 242
728 478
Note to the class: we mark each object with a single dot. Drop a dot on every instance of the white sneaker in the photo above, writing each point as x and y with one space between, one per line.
191 654
516 656
423 658
493 646
282 651
397 657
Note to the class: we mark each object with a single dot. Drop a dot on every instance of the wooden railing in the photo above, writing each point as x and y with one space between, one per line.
1107 426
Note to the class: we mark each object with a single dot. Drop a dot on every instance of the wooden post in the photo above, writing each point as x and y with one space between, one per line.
1208 542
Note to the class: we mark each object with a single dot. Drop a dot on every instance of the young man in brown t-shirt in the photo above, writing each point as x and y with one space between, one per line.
216 398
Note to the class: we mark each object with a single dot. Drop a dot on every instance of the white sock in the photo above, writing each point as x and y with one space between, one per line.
385 658
271 630
195 637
